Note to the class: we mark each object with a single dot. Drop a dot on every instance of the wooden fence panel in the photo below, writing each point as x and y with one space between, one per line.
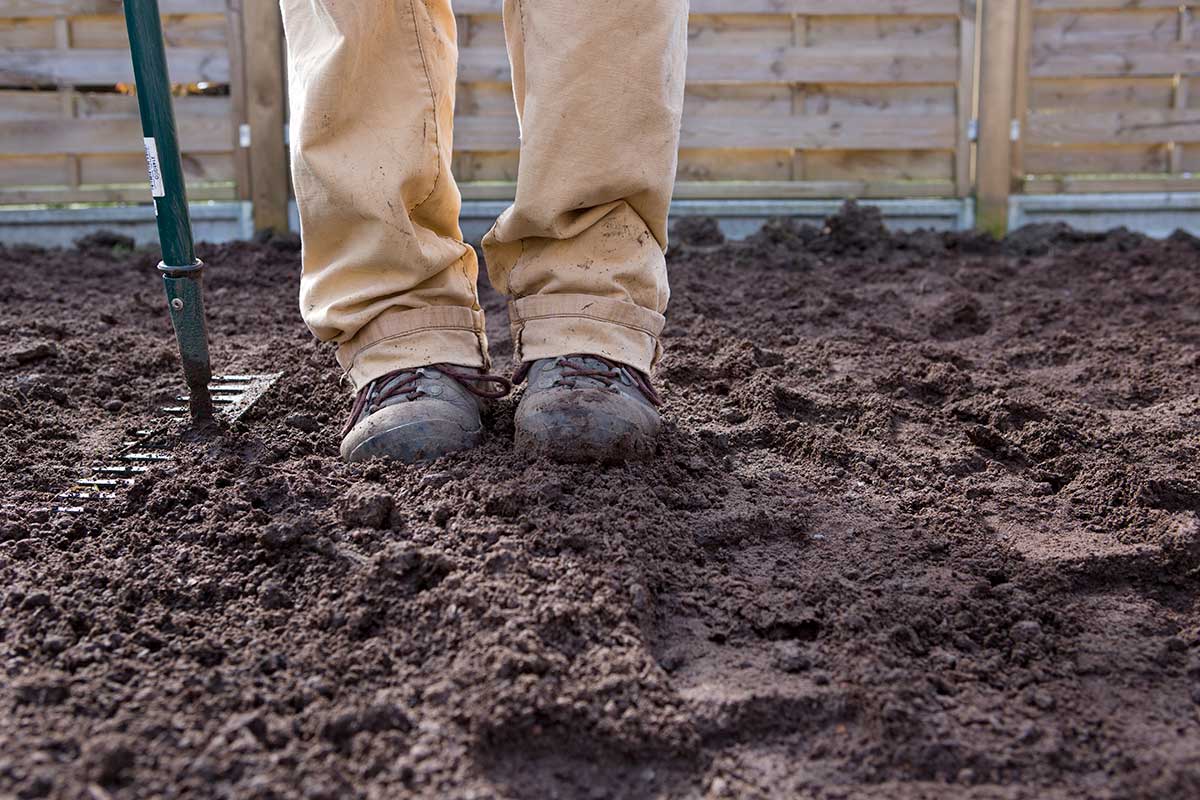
784 98
801 98
69 128
1108 106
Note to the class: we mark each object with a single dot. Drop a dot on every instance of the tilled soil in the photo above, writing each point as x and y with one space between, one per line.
923 524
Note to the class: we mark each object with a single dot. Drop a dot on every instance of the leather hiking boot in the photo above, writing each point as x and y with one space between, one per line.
419 414
586 408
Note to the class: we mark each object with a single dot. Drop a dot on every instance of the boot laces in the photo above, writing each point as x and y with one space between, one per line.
610 372
403 383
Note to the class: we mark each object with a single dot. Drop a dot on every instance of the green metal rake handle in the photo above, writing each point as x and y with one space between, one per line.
182 271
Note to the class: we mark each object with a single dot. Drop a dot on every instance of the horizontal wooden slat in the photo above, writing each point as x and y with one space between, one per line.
1078 184
873 31
103 104
26 33
757 99
812 7
727 30
189 30
111 168
1113 5
1117 127
30 105
1101 94
893 98
71 8
1105 29
15 105
747 99
1165 58
35 170
119 168
876 165
731 190
826 64
762 190
106 67
107 194
46 137
828 131
699 164
1096 159
751 164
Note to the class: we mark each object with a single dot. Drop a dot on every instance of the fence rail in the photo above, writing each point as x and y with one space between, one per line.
785 99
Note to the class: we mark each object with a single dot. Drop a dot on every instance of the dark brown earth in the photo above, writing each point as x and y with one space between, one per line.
923 524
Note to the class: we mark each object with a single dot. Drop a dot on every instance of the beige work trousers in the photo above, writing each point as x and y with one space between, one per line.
580 253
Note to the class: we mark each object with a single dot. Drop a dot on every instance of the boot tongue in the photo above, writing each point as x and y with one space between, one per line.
411 384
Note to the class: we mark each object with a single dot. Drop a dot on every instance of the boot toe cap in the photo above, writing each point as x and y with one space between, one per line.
586 425
412 432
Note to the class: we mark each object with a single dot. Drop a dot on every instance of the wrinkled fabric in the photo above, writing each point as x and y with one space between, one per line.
580 252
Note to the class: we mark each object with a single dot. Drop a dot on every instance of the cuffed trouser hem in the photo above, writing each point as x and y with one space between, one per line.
415 338
545 326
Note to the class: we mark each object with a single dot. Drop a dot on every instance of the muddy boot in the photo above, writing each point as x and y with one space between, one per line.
419 414
586 408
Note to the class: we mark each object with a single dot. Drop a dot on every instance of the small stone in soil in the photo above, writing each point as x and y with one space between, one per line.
436 480
54 645
35 352
790 657
284 533
367 509
1026 630
114 405
1041 698
302 422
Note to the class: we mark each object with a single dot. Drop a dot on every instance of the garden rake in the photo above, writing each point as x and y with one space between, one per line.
182 272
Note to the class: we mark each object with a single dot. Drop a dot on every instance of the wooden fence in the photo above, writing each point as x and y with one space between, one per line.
1086 96
785 99
1107 106
69 127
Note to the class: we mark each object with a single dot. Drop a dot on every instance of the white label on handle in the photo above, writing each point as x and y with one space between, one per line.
157 189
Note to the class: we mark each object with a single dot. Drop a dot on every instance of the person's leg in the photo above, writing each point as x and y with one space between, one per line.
386 274
599 93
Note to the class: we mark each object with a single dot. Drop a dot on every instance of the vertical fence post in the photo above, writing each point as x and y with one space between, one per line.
997 88
262 64
1179 99
965 95
237 97
1021 90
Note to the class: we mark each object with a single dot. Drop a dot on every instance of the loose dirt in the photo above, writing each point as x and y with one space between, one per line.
923 524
